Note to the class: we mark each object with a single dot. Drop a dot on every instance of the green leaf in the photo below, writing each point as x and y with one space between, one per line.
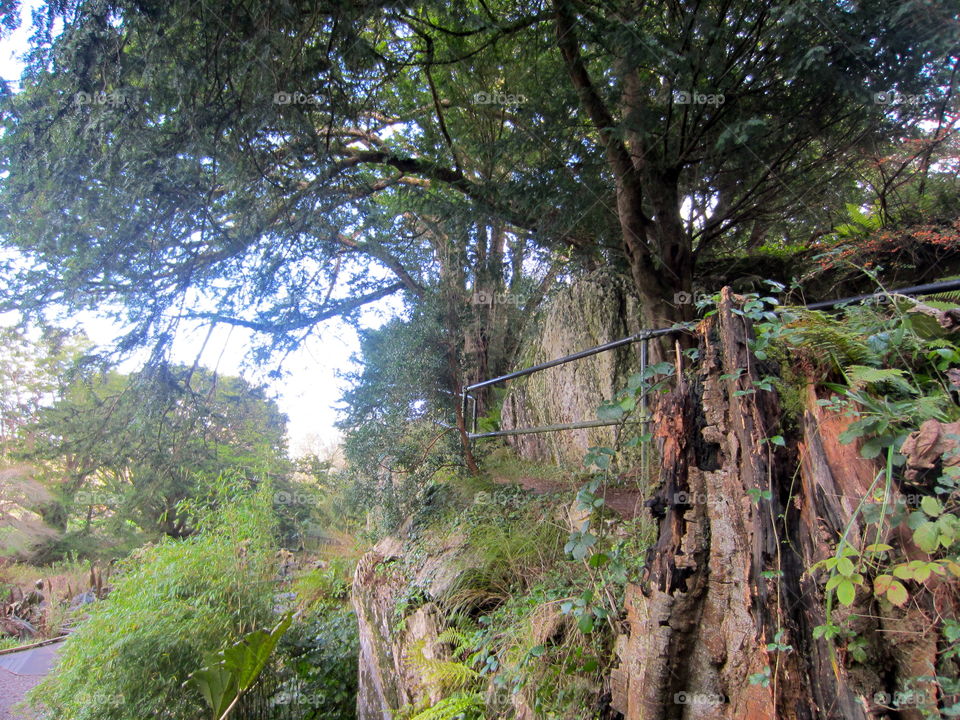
661 368
903 571
247 657
610 412
845 567
598 560
585 623
579 544
897 593
232 672
872 447
931 506
927 537
846 592
860 375
217 685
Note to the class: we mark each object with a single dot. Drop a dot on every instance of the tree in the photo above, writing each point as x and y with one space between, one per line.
133 447
177 147
34 366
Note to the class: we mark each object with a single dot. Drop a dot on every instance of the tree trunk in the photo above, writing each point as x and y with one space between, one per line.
721 625
665 284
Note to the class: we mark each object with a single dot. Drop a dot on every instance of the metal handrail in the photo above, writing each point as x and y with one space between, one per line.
928 289
643 336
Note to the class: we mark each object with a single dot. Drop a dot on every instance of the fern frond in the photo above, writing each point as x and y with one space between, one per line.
459 639
448 674
860 375
933 407
826 336
950 298
462 706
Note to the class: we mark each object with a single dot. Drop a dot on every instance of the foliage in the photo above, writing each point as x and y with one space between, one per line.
324 587
173 603
34 367
503 557
461 706
889 371
322 652
513 613
127 449
357 149
234 670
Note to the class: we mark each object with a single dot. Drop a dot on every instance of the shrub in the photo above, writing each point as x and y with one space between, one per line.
323 652
174 603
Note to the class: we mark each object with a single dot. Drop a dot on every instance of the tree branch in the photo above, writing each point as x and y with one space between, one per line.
596 109
335 310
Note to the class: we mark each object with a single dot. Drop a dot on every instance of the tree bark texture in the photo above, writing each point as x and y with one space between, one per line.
726 582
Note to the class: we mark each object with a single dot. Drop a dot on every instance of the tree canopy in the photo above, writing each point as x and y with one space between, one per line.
275 164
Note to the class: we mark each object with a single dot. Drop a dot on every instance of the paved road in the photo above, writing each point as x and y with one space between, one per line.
18 673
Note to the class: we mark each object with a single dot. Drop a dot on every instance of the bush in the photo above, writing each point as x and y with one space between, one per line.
174 603
323 653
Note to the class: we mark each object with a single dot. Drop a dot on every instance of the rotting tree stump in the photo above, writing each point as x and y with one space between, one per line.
744 519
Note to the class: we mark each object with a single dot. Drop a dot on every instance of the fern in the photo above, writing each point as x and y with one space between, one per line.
462 706
457 638
448 675
859 376
827 336
943 300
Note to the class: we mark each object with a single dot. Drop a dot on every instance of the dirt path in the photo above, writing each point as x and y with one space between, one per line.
625 502
18 673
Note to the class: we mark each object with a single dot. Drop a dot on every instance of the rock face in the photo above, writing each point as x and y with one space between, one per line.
594 310
390 640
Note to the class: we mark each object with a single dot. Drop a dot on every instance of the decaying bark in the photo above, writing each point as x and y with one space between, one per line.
726 579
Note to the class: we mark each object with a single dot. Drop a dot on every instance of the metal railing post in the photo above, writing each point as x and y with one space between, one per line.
643 408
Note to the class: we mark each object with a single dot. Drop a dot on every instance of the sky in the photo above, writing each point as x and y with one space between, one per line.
310 387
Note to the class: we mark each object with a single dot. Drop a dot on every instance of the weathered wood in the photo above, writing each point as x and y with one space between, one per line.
727 574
